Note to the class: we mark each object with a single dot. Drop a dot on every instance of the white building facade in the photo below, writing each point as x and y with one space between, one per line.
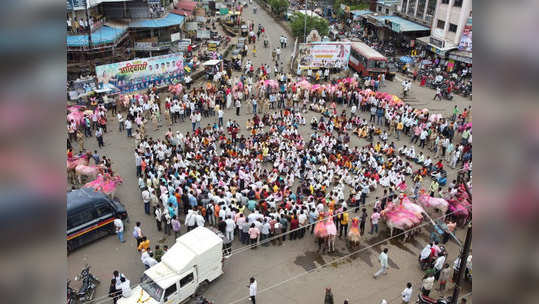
451 19
421 11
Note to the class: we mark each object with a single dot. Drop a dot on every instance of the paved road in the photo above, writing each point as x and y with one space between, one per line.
350 277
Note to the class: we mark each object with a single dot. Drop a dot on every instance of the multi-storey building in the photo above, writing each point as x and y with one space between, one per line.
451 27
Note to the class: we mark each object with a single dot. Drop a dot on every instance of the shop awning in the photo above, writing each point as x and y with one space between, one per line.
103 35
461 56
358 13
399 24
437 49
168 20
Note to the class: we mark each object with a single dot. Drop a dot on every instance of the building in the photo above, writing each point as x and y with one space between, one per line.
106 31
451 23
420 11
387 7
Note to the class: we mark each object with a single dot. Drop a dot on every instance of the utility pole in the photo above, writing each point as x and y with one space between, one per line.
462 266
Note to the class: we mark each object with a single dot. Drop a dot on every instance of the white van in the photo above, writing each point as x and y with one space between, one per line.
195 258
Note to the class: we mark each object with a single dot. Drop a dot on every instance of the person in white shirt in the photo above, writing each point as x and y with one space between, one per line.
126 287
406 294
230 226
438 265
119 228
199 219
149 261
428 283
190 220
383 263
252 290
424 256
146 199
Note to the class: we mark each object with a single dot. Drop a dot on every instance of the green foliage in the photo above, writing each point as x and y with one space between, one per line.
279 6
297 25
354 5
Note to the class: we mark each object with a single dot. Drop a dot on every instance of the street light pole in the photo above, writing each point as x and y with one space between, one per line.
462 264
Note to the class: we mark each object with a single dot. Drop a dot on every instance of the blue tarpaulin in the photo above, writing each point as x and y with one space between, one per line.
103 35
168 20
406 59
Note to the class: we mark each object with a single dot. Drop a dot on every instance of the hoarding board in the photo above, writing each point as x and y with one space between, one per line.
139 74
323 54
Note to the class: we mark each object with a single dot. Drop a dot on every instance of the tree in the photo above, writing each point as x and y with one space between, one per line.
317 23
279 6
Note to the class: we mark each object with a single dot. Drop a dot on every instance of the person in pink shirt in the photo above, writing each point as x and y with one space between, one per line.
375 217
253 235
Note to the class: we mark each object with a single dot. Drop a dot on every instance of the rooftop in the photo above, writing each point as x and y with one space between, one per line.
168 20
103 35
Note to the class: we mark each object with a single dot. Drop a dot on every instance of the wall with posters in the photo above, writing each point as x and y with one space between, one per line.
139 74
323 54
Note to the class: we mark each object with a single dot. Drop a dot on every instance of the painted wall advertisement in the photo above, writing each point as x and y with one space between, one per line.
324 54
465 43
139 74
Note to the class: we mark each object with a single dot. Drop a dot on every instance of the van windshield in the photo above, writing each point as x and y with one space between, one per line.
151 288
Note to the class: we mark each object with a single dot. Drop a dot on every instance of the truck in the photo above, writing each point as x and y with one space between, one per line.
195 259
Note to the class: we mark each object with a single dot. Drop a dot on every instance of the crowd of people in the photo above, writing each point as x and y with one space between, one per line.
264 181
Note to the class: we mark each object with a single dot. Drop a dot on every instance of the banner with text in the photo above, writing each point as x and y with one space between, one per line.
323 54
465 43
139 74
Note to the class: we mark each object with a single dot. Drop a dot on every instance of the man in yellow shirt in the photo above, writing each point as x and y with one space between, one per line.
377 147
400 126
344 223
144 244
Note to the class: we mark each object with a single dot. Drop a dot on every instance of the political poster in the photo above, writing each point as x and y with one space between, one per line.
465 43
323 54
139 74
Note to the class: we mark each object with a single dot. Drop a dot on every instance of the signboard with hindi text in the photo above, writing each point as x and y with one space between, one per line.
139 74
323 54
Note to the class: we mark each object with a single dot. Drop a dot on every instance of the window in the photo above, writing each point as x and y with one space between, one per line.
411 7
457 3
387 11
403 7
186 280
103 209
80 218
441 24
445 1
420 8
452 27
379 8
172 289
431 7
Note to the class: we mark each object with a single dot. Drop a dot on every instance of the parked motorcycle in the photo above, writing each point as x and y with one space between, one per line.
87 290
